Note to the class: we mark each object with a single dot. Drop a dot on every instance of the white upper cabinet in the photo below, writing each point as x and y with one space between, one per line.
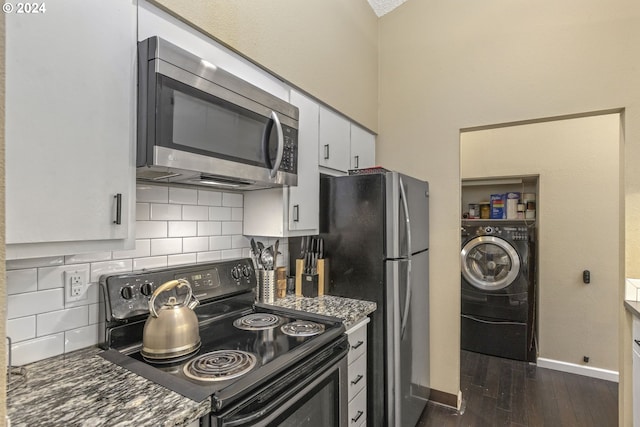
363 148
304 200
70 128
290 211
334 145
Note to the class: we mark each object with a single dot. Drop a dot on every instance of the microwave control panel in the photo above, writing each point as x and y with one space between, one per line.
290 157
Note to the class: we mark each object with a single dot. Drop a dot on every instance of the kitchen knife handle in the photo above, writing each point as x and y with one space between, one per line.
296 213
118 219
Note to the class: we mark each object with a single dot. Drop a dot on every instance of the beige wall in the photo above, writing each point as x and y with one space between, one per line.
328 48
3 282
578 210
446 66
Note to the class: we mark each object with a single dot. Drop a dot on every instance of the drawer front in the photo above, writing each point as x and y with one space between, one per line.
357 376
358 409
357 342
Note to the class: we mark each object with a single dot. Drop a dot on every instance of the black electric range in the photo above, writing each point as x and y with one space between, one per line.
249 353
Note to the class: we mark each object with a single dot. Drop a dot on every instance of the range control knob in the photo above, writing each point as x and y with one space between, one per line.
146 289
235 273
127 292
246 271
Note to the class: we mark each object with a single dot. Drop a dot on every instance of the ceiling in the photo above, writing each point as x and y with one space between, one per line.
382 7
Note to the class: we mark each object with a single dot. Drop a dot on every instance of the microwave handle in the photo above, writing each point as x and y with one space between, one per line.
280 151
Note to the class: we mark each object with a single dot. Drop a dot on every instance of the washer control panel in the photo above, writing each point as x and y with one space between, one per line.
506 232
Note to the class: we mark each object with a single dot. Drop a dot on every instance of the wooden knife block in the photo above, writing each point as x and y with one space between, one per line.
323 277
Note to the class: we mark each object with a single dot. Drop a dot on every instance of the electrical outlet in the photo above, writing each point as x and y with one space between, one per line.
75 285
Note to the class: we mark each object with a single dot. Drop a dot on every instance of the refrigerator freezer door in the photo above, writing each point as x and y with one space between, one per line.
417 200
408 354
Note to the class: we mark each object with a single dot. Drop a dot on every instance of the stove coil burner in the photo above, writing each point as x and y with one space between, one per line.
302 328
220 365
257 321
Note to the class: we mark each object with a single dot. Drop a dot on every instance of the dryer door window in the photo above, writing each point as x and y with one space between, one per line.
489 263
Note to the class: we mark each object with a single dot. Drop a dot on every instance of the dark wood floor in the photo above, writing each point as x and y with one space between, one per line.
502 392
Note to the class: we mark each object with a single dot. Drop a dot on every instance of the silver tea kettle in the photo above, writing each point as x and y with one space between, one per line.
171 331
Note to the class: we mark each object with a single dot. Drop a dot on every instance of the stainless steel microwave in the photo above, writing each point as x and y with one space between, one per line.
199 124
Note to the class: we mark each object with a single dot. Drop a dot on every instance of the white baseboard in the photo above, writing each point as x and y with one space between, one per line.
572 368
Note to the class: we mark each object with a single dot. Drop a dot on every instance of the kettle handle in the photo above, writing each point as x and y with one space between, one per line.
167 286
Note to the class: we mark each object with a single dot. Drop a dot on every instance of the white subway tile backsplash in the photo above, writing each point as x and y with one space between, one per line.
166 246
22 328
81 258
142 249
233 200
182 259
220 213
16 264
151 229
195 213
109 267
53 277
209 256
183 196
37 349
195 244
163 212
85 336
232 253
174 226
183 228
239 242
219 242
94 313
237 214
231 227
209 228
151 262
152 193
31 303
142 211
62 320
20 281
209 198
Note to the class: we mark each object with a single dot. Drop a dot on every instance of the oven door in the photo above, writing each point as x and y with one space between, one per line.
299 398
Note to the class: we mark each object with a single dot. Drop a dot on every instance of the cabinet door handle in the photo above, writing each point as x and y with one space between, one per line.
357 380
118 219
296 213
356 345
326 151
357 417
637 342
356 161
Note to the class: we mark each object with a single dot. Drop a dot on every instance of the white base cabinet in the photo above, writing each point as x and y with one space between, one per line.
357 373
70 128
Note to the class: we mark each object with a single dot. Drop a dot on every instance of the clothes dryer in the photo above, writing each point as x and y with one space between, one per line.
498 289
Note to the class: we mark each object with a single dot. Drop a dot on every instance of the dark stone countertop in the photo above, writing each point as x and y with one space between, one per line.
351 311
83 389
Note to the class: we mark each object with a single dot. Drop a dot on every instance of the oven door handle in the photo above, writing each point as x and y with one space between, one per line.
280 404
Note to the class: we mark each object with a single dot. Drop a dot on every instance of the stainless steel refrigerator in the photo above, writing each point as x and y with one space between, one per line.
376 232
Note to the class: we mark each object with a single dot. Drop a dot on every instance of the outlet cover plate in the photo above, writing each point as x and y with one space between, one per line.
75 285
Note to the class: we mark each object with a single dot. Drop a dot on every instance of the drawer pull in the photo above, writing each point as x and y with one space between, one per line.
637 342
358 344
357 417
357 380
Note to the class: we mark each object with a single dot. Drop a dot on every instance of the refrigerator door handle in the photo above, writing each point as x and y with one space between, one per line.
407 300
